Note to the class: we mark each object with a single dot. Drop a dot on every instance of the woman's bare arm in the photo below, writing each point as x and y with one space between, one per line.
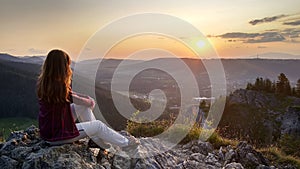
84 100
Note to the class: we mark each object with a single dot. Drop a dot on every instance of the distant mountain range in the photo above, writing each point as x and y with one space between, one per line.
18 77
275 55
24 59
237 71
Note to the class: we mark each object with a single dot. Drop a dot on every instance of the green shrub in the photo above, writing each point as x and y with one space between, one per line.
157 127
140 128
145 130
290 145
217 141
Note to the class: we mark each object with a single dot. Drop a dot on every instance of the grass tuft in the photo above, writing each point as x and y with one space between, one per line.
277 156
195 132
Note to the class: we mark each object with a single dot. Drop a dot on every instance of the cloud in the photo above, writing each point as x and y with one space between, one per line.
266 37
231 40
266 19
291 32
254 37
37 51
293 23
261 47
239 35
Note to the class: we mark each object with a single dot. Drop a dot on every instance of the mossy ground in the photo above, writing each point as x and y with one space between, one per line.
7 125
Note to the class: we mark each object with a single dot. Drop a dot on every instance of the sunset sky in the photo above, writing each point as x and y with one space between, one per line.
236 28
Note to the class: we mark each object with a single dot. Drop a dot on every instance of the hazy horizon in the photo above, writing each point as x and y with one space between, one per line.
261 56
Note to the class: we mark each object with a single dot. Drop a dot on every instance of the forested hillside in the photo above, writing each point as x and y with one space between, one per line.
17 94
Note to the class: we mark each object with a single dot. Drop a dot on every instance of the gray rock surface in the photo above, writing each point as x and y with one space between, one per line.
291 122
263 117
24 149
233 165
254 98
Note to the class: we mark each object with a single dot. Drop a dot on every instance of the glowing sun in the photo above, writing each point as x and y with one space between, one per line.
200 44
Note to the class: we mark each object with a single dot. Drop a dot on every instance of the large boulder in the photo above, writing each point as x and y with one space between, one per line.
259 117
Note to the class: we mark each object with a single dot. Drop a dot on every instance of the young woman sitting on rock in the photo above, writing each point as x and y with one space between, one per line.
58 103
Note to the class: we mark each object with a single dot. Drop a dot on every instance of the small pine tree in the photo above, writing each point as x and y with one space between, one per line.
293 93
249 86
273 87
297 92
257 84
268 85
283 86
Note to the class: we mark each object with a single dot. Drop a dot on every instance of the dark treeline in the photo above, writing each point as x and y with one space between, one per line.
280 87
17 94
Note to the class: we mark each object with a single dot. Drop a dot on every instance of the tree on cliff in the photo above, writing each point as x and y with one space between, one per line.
283 86
261 85
297 90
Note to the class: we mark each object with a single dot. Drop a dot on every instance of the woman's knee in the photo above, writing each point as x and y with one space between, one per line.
100 125
80 107
93 128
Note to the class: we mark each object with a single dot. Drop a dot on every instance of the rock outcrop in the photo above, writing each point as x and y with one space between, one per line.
260 117
24 149
291 122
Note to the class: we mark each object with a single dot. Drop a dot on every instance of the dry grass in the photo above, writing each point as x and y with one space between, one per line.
155 128
276 156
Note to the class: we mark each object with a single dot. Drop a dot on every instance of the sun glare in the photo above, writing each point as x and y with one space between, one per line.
200 44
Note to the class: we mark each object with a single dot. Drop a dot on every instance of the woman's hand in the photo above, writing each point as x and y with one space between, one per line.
92 104
83 100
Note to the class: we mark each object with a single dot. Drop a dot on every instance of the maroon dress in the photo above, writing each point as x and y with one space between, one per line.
56 121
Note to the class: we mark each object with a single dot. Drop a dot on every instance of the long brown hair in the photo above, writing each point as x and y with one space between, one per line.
54 83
